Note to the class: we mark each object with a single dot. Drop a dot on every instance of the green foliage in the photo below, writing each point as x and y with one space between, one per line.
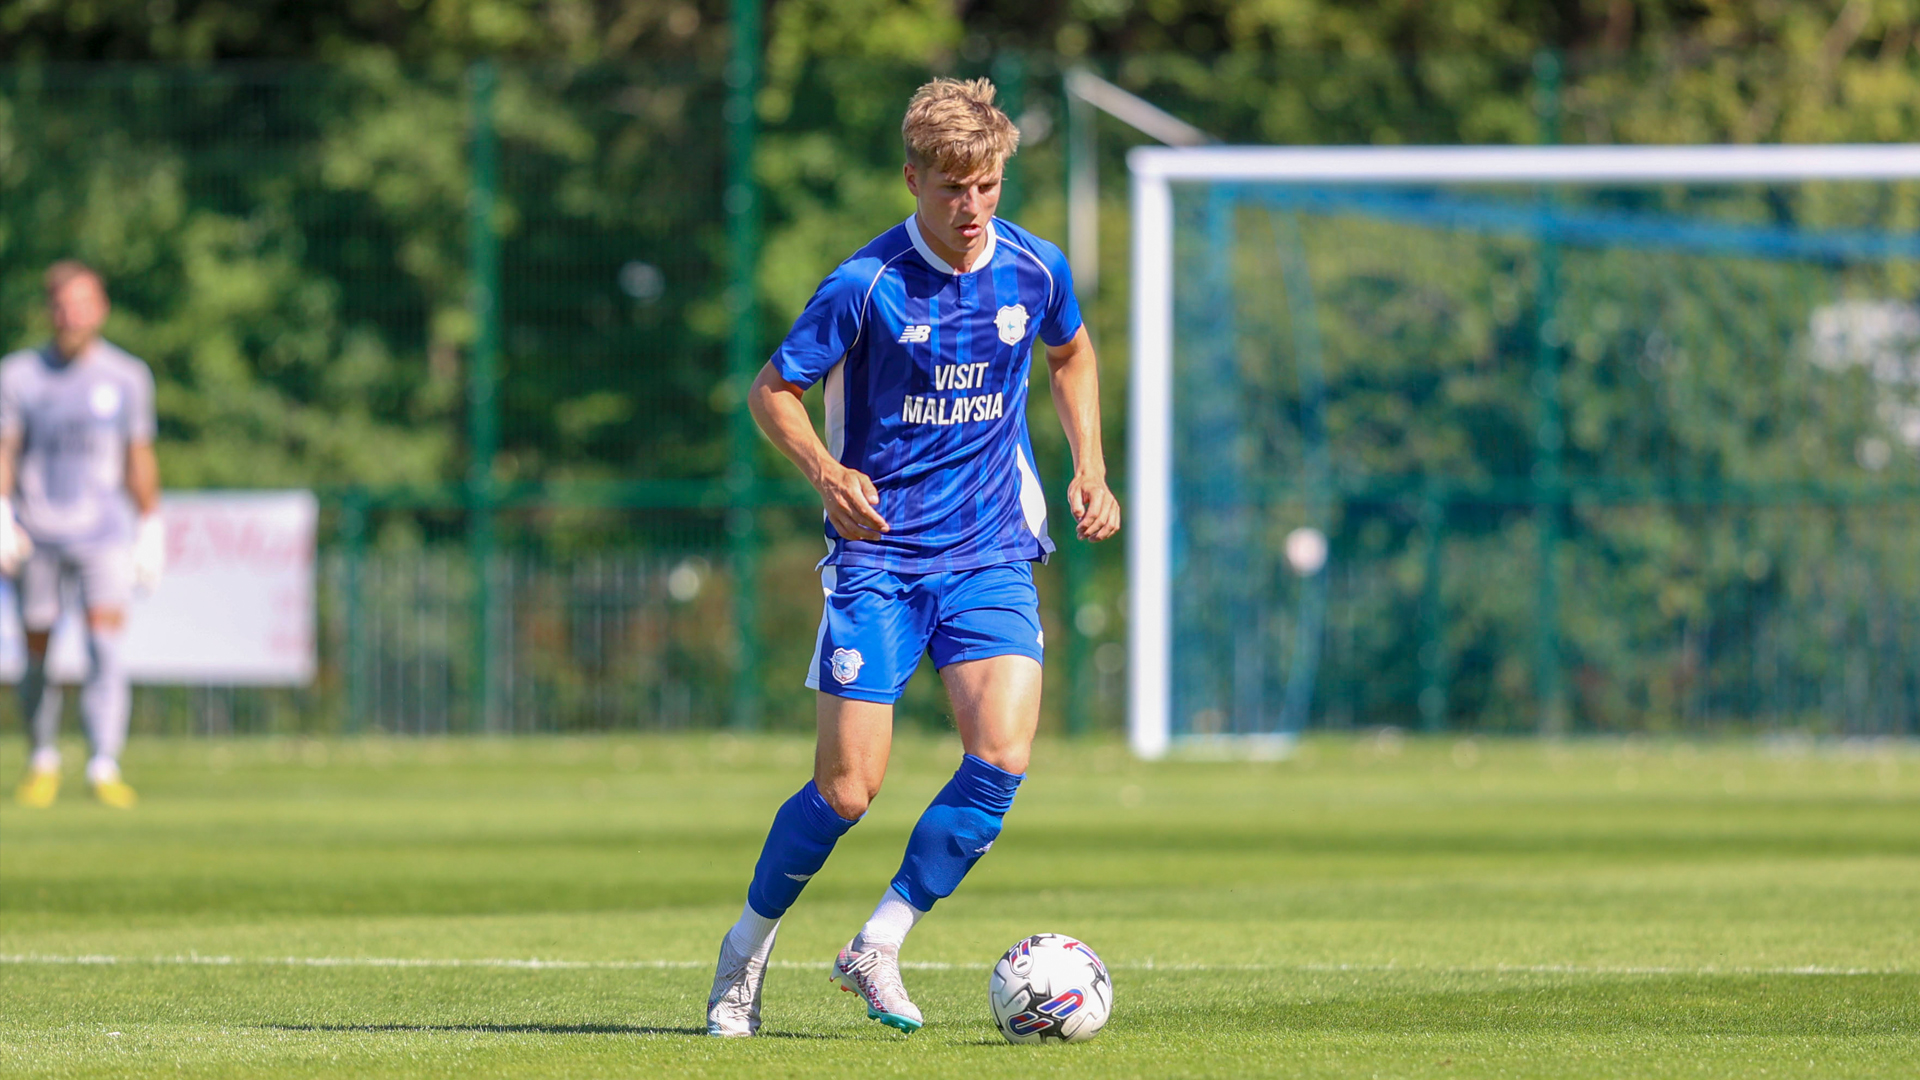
261 381
306 307
278 195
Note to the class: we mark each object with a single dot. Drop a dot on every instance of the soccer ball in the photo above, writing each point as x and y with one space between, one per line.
1050 986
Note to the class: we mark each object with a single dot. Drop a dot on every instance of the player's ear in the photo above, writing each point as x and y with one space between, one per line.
913 178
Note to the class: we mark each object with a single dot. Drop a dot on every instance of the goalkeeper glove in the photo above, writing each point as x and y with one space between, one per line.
149 552
15 544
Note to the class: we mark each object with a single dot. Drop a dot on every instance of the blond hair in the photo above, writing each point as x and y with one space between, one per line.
953 126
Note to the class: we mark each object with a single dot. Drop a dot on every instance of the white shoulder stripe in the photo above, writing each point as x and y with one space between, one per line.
866 301
1017 246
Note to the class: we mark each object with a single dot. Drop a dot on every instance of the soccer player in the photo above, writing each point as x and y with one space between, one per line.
934 513
79 502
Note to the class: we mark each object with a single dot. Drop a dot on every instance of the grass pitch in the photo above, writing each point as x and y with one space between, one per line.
1372 907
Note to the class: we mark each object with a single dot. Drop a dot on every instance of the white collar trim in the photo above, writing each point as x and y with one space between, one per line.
935 261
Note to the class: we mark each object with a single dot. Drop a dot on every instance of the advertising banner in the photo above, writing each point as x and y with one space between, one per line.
235 606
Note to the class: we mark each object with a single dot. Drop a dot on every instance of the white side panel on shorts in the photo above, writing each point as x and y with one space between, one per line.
829 577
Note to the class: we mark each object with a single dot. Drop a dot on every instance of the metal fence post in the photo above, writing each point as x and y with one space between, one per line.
743 358
1072 587
1549 438
1083 192
1433 649
353 544
1010 79
1081 187
483 375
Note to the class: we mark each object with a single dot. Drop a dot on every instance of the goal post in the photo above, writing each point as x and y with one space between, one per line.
1374 181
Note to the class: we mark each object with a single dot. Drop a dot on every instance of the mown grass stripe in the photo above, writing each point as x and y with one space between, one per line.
537 964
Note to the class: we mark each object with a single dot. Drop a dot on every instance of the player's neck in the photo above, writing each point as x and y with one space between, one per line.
71 350
962 260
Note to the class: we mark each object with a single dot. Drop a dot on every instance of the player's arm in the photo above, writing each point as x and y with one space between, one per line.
13 431
9 461
1075 375
847 494
143 478
142 474
15 545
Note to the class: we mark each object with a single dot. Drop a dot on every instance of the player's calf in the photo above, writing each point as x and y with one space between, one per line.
957 828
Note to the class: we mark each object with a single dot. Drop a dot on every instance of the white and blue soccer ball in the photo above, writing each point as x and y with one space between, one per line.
1050 987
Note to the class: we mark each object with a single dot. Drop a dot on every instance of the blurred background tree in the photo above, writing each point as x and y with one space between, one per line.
278 193
260 329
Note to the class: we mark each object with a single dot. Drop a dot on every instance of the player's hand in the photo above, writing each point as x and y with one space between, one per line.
149 552
1095 510
851 503
15 544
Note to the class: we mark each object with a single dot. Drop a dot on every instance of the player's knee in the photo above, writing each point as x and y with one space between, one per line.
37 643
1011 756
849 796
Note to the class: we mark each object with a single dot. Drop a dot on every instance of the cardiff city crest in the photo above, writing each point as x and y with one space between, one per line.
846 665
1012 322
104 400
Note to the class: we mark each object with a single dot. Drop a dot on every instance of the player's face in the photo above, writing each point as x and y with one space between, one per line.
955 210
78 310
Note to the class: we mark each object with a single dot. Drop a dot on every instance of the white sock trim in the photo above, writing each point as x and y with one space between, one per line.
753 934
102 770
892 918
45 759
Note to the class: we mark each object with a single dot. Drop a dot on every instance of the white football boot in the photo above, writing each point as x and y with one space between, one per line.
733 1005
874 974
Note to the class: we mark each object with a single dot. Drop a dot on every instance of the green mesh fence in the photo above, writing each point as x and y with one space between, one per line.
295 253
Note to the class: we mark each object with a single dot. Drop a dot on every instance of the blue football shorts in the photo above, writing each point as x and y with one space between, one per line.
877 624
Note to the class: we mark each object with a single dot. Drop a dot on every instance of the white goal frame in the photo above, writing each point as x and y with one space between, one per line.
1156 169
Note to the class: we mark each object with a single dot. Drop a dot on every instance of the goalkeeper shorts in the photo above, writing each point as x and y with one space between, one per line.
103 573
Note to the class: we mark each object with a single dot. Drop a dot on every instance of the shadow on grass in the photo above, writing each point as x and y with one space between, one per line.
536 1029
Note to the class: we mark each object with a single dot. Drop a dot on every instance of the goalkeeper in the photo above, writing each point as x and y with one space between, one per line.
79 502
924 341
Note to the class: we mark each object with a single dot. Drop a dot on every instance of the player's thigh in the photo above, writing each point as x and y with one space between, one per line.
989 646
105 572
874 627
853 740
996 706
39 583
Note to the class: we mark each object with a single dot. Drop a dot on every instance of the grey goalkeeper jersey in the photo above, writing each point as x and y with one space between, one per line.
75 420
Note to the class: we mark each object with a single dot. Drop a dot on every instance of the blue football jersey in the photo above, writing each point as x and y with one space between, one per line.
926 392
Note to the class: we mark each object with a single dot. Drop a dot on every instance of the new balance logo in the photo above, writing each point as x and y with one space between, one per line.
916 335
801 878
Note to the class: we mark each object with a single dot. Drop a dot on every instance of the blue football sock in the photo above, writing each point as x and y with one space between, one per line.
957 828
803 834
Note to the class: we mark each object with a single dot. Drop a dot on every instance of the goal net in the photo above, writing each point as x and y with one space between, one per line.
1535 438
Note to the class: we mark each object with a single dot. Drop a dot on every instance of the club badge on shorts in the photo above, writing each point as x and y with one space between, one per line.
846 665
1012 322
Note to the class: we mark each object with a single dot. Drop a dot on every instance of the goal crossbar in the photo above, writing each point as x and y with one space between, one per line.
1155 169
